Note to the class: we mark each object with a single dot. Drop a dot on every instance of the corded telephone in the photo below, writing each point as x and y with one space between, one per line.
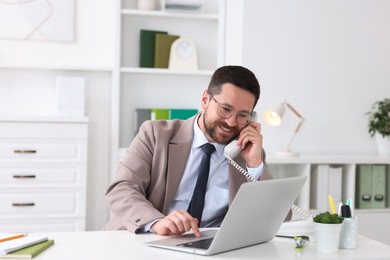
232 150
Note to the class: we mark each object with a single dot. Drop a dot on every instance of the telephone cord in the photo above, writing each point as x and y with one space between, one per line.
251 178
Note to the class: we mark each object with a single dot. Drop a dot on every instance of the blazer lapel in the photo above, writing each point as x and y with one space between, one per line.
178 153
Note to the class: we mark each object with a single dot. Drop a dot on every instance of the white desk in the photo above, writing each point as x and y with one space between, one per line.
104 245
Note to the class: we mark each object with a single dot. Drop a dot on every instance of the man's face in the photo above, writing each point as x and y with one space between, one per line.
224 130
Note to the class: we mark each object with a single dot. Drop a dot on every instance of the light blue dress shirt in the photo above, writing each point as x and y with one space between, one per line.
217 192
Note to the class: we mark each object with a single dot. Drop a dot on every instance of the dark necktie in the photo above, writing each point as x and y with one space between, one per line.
197 201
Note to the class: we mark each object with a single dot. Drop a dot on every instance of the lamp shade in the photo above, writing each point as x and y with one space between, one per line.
274 116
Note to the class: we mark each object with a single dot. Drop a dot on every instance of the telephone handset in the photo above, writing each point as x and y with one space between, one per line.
232 150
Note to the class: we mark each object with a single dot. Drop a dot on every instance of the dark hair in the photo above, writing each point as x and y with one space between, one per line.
236 75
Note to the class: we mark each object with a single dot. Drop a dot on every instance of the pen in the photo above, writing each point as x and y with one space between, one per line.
350 204
339 208
331 203
11 237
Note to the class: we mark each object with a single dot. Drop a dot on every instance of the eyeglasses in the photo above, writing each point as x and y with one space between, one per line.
225 111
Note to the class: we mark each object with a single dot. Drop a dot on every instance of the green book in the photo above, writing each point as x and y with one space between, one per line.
364 187
28 252
147 46
378 186
159 114
182 113
162 49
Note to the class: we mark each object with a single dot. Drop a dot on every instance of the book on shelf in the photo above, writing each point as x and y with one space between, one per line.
147 47
371 186
159 114
30 251
162 49
19 243
326 180
182 113
143 114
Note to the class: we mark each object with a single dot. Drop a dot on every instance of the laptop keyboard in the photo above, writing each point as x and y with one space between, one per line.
201 244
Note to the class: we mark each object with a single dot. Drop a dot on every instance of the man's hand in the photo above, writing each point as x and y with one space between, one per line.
251 142
176 223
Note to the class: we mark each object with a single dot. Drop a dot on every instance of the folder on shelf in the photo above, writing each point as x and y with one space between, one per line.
159 114
319 193
162 49
147 46
335 183
141 115
326 180
364 187
371 186
379 186
182 113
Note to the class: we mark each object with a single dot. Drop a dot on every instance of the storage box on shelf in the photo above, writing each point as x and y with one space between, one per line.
135 87
43 168
348 165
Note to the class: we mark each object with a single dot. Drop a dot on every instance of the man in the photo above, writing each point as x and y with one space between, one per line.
156 179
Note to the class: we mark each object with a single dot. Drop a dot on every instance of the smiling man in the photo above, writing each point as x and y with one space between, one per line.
157 180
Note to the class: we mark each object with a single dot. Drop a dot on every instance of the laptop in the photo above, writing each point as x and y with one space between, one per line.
254 217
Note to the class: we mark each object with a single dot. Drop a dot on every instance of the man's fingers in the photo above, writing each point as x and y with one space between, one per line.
178 222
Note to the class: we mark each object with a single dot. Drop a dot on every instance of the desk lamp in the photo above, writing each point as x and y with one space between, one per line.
274 118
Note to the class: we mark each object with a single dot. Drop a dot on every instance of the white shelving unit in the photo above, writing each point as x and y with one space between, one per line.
135 87
304 166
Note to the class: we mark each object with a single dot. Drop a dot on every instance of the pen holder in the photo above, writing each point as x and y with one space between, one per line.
348 235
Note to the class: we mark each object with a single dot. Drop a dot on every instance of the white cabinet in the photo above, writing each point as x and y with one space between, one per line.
43 170
135 87
371 221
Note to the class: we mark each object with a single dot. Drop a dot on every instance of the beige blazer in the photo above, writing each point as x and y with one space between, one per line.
149 174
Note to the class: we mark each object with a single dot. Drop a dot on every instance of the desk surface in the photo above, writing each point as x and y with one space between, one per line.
99 245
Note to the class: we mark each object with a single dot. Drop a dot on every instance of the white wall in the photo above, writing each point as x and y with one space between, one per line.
92 47
28 70
330 59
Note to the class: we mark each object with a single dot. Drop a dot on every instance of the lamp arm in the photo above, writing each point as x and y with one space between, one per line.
293 110
287 148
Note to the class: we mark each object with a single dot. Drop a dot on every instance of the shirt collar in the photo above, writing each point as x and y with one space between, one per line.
200 139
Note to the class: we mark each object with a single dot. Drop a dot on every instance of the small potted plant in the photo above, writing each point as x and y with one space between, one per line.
327 228
379 125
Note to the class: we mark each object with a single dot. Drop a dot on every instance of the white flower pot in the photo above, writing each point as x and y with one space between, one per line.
383 144
328 237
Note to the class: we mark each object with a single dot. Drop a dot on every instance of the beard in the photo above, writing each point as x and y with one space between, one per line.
212 130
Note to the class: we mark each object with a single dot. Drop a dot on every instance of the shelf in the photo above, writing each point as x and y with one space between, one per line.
49 67
329 159
42 119
166 71
384 210
170 14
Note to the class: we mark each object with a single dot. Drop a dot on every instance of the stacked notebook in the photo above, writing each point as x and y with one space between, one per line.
22 245
155 47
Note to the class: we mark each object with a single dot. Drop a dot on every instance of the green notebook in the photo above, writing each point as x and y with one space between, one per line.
163 49
147 45
29 252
